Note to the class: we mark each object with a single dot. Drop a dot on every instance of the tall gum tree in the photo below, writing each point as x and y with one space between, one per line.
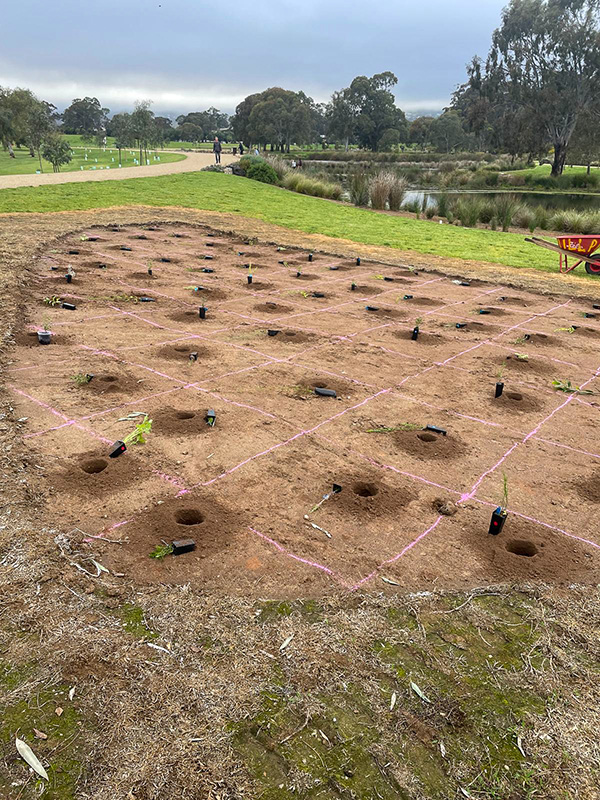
545 58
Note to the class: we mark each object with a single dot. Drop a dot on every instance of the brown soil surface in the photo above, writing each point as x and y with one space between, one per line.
277 447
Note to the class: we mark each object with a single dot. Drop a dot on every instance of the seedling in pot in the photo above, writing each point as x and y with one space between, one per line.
435 429
162 550
81 378
353 287
358 262
571 329
484 311
44 336
272 332
500 383
499 515
336 489
181 546
461 324
372 308
211 417
149 270
193 356
322 392
68 306
298 274
249 279
310 256
415 331
407 297
53 301
202 312
137 436
569 388
588 315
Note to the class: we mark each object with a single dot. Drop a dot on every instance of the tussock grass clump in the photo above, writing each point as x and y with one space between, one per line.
506 205
380 186
397 190
359 189
468 210
296 182
279 164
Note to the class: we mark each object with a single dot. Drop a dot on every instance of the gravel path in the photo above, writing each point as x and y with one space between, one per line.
192 163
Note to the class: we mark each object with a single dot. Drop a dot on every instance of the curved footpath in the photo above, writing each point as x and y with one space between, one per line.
191 163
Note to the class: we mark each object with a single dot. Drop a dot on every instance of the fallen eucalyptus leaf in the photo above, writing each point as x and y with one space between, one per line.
390 581
40 734
418 691
520 746
286 643
393 701
30 757
71 692
99 567
443 749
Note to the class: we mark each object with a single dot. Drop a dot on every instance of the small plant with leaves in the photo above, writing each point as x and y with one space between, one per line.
504 505
567 330
501 371
161 550
54 300
521 357
418 321
46 325
124 298
520 340
304 294
141 430
569 388
81 378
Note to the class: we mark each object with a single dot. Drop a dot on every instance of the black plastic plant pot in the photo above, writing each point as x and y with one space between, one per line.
202 312
44 337
68 306
298 274
325 392
206 269
353 287
194 356
73 252
387 278
407 297
497 521
372 308
92 238
318 294
124 247
281 262
336 488
117 449
210 417
499 389
310 256
415 333
146 300
149 271
181 546
358 262
461 324
210 244
483 311
240 252
249 278
596 305
333 269
464 283
54 269
435 429
272 332
208 258
527 336
90 376
589 316
208 234
68 277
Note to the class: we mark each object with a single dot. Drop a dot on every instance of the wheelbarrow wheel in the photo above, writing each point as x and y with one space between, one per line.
592 269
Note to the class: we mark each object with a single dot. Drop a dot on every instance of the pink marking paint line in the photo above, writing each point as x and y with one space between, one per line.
585 403
400 555
233 402
337 375
169 478
539 355
48 430
87 319
132 403
566 447
151 292
469 495
305 561
37 366
116 525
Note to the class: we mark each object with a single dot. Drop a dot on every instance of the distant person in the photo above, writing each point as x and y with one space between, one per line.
241 149
300 162
256 153
217 150
293 163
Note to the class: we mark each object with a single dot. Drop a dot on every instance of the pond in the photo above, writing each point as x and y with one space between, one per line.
549 200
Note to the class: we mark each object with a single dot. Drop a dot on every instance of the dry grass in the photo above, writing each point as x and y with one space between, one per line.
223 713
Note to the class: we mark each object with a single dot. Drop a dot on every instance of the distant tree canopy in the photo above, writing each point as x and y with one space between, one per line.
276 117
541 75
206 125
25 120
85 117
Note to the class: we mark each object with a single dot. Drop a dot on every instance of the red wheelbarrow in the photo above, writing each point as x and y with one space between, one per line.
578 247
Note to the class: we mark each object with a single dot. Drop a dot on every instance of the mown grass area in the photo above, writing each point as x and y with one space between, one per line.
218 192
544 170
97 158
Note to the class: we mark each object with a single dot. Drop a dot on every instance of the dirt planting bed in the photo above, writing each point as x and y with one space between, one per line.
409 428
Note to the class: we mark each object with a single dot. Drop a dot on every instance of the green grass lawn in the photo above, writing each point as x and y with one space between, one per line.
544 170
218 192
24 164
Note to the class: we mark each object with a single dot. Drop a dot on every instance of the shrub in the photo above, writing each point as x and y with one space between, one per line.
431 210
398 186
413 206
506 205
379 189
262 172
579 180
246 161
541 218
487 210
442 204
359 189
516 180
524 217
303 184
567 221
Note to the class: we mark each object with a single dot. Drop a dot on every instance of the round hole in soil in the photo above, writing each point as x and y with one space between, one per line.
290 333
427 437
514 396
521 547
94 465
365 489
181 349
184 415
188 516
108 378
320 385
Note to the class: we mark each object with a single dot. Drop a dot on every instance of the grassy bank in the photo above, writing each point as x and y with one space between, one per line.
97 158
218 192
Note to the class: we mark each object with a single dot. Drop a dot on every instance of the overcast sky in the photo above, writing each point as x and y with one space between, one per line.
189 54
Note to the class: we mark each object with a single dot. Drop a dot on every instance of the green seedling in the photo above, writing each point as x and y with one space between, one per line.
378 277
418 321
124 298
569 388
504 491
138 435
404 426
568 330
304 294
521 357
81 378
501 371
53 301
45 324
83 238
161 550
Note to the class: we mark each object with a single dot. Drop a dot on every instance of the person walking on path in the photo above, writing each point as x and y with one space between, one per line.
241 148
217 150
